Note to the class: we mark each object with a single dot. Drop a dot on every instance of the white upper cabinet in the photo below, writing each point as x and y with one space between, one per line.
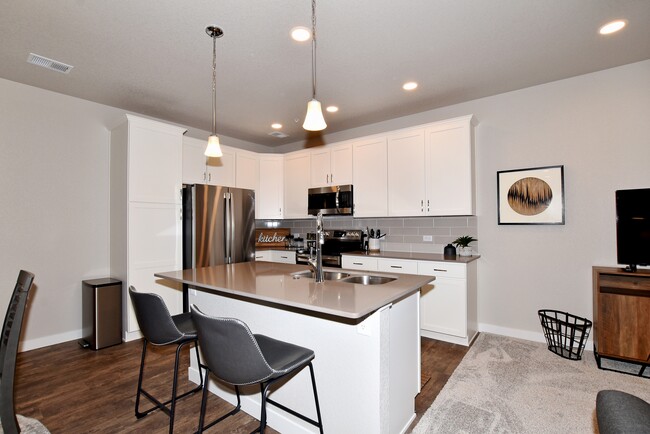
370 177
406 180
269 196
199 169
331 165
247 173
296 184
449 159
154 152
431 169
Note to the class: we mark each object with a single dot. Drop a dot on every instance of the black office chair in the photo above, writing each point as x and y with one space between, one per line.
159 327
236 356
8 351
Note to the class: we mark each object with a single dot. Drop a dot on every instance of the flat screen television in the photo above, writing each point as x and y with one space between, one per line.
633 227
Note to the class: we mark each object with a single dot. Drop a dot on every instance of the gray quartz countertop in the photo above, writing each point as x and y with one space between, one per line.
414 256
282 285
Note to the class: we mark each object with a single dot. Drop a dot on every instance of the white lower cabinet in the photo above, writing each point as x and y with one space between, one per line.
359 263
263 255
448 310
448 306
281 256
389 265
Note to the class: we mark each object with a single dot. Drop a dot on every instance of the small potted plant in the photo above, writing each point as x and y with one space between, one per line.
462 243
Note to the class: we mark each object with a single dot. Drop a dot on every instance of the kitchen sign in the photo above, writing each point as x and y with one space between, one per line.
276 237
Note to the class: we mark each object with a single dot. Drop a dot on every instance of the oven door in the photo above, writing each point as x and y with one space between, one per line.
302 257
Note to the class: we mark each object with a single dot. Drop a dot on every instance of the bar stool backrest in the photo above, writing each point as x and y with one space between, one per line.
11 328
154 319
230 350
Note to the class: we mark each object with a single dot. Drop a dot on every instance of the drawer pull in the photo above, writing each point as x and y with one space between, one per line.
395 266
357 263
284 257
439 269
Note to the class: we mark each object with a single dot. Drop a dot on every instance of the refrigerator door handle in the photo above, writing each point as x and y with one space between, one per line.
227 229
231 235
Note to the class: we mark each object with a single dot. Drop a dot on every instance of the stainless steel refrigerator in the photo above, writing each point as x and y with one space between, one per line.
218 226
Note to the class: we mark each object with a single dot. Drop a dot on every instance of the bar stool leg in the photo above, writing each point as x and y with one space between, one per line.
313 384
137 396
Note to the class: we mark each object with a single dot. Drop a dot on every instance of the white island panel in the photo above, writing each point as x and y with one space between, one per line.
367 372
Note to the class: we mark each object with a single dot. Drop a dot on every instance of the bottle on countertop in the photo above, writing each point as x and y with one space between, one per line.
449 252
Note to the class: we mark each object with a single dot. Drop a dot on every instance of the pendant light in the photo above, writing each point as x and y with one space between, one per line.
314 120
214 148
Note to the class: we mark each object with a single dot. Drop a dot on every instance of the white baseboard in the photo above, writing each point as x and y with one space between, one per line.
45 341
131 336
32 344
523 334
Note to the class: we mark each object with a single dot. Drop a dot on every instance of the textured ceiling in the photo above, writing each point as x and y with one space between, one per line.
154 58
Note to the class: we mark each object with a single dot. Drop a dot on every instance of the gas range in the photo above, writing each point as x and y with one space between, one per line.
337 241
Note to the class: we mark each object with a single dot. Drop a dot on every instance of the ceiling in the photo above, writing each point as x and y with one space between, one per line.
154 57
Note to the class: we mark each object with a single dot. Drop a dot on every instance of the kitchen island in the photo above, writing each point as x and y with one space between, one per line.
366 340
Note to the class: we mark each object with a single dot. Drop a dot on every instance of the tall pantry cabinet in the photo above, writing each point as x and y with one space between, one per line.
146 179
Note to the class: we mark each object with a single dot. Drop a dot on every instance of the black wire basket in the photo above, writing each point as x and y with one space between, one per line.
566 334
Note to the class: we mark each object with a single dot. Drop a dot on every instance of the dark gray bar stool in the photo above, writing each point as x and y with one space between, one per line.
159 327
236 356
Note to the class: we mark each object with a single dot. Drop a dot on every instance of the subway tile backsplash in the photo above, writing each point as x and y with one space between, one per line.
402 234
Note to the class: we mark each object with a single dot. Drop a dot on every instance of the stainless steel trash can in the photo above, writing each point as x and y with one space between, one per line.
102 312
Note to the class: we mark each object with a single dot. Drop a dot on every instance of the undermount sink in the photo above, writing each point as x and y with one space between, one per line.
368 280
327 275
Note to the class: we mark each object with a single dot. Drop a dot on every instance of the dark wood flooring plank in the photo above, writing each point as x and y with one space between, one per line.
75 390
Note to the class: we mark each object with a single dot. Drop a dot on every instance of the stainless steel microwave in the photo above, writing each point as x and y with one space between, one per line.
335 200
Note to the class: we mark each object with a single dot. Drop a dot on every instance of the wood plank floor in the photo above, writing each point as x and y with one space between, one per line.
75 390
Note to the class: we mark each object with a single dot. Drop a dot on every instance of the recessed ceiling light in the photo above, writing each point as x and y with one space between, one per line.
410 85
332 109
300 34
276 126
612 27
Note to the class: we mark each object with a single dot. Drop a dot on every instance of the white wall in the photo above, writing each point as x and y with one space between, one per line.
596 125
54 195
54 218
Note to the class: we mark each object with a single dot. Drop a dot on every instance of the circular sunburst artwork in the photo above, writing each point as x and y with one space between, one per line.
530 196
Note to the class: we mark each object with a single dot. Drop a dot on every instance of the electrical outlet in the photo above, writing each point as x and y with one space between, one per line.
363 329
427 237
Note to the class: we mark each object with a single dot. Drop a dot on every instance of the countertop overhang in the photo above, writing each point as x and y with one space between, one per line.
278 284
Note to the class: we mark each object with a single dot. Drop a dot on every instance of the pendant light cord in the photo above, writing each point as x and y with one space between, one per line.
313 49
214 85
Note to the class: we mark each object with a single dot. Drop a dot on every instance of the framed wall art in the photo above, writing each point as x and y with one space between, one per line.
532 196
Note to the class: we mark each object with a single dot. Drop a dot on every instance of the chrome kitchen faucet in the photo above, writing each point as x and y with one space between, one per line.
316 264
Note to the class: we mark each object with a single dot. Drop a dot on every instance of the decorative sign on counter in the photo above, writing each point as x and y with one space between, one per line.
275 237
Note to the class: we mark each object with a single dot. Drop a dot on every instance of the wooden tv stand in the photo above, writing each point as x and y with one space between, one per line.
622 316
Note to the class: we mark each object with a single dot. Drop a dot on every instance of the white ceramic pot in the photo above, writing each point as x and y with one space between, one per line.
373 244
464 251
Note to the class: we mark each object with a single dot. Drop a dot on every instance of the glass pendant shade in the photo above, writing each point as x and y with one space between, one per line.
314 120
214 148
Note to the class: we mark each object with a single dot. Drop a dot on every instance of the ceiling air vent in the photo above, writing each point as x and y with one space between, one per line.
54 65
278 134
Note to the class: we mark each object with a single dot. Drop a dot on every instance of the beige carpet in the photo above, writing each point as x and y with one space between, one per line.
506 385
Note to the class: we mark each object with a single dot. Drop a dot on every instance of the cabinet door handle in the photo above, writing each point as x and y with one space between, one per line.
395 266
422 205
209 176
204 175
428 209
331 177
